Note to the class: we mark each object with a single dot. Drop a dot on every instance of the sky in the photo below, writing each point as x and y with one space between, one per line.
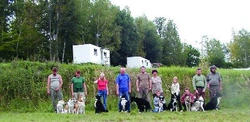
195 18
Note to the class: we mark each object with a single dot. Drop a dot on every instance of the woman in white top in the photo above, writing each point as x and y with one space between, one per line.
175 91
156 83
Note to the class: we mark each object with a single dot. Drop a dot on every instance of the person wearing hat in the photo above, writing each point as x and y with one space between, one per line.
214 81
78 86
54 85
199 83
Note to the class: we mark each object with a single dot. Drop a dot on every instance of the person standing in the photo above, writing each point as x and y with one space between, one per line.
199 83
156 83
54 85
102 85
123 88
78 86
175 93
214 81
143 84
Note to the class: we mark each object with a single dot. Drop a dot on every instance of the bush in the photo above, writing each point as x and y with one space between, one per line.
23 83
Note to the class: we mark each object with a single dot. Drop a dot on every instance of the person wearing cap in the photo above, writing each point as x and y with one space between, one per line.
199 83
54 85
214 81
123 88
102 85
78 86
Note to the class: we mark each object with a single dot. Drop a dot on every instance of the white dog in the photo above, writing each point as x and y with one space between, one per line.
80 106
71 106
123 103
59 106
198 105
174 104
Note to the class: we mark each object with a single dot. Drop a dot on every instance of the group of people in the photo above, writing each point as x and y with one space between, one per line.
145 86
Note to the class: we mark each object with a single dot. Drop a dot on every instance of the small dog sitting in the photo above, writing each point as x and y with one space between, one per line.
198 104
142 104
80 106
60 106
98 105
123 103
162 103
214 102
188 103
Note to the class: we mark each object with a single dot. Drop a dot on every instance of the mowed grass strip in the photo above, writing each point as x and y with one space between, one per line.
224 115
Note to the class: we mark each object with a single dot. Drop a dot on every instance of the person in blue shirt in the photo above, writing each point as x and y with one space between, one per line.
123 88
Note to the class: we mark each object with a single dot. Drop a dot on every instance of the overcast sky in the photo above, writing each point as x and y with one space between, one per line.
195 18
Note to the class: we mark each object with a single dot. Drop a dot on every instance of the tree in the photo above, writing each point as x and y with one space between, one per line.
128 35
215 54
160 23
191 55
240 49
172 47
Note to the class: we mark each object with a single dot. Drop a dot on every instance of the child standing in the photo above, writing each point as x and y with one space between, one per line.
175 92
102 85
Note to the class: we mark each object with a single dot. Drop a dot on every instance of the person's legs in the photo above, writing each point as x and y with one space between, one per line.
140 93
105 99
213 90
179 102
60 95
76 95
128 101
53 99
147 95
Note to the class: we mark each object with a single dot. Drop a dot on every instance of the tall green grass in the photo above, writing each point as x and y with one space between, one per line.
23 83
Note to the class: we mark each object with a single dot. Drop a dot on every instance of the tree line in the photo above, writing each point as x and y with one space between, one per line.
45 30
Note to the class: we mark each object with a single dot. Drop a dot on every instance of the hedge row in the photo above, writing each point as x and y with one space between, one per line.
23 83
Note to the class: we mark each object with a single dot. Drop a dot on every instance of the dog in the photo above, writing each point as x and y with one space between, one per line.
162 104
172 106
142 104
70 107
187 102
60 106
123 103
214 102
198 104
80 106
98 105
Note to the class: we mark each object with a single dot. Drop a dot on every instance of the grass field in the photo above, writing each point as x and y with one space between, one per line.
224 115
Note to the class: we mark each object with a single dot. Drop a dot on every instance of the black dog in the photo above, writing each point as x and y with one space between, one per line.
163 101
98 105
172 106
214 102
142 104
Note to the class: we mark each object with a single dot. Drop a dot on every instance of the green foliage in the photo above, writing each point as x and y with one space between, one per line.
23 84
191 55
239 49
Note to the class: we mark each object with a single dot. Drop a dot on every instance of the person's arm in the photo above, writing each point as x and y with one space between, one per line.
137 83
193 82
71 89
117 85
149 82
48 85
172 89
205 83
85 89
107 88
220 83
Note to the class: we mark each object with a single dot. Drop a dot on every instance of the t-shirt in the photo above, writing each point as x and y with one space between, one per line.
199 81
78 84
213 79
143 79
102 84
54 81
123 81
156 84
175 88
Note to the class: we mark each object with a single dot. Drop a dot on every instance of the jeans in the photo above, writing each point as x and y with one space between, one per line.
55 95
127 97
103 94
